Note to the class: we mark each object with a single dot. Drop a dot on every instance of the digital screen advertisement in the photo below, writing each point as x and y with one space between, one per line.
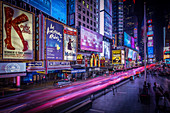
116 56
107 25
150 43
130 53
90 40
59 10
18 33
134 55
132 42
127 40
122 57
70 43
108 6
106 50
55 8
54 40
150 52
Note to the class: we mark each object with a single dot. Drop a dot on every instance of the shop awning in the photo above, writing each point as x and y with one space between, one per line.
12 75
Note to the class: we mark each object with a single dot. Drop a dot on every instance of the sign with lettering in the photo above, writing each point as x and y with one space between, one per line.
18 33
54 40
53 64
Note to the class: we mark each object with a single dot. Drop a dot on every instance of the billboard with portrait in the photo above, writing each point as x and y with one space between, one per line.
106 50
18 33
116 56
132 42
70 43
127 40
54 40
90 40
107 25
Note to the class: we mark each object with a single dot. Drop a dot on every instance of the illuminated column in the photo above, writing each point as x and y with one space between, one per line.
18 81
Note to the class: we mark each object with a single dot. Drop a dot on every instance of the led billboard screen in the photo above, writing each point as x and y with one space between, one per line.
150 52
70 43
108 6
106 50
132 42
107 25
55 8
127 40
150 43
54 40
130 53
18 33
134 55
90 40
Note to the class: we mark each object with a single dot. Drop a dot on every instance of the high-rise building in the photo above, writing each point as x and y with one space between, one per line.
117 21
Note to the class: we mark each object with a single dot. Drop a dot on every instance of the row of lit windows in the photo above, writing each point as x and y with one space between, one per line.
79 24
87 4
88 21
88 13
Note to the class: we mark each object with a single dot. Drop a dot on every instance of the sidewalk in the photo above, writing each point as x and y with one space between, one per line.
126 99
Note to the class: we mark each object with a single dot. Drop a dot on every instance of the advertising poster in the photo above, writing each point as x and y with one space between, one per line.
106 50
130 54
134 55
18 33
150 52
127 40
90 40
108 6
54 40
122 57
107 25
132 42
116 56
70 43
150 43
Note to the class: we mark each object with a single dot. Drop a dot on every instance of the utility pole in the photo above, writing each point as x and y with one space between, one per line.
145 40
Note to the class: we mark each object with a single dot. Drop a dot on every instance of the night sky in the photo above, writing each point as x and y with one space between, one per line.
160 8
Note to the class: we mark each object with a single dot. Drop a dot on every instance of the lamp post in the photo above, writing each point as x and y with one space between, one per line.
145 40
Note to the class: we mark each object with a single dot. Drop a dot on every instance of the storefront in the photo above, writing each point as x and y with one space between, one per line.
11 74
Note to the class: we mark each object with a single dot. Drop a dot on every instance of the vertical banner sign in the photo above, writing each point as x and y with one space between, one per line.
54 40
70 43
17 33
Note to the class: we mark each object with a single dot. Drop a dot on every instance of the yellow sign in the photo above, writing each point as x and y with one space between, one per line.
116 56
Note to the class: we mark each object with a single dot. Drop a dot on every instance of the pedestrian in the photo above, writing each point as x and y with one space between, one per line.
113 89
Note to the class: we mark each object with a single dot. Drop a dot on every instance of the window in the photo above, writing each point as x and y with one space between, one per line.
94 17
91 15
79 16
91 22
87 20
84 10
87 13
91 28
90 8
94 4
80 1
94 10
79 7
94 29
87 6
87 26
83 18
94 24
79 23
83 2
84 25
91 1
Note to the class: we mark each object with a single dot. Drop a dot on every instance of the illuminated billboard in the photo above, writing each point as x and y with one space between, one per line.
70 43
150 43
106 50
90 40
127 40
55 8
116 56
107 25
122 57
54 40
130 53
108 6
18 33
134 55
150 52
132 42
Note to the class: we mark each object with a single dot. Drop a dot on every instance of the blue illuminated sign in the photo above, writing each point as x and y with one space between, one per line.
127 40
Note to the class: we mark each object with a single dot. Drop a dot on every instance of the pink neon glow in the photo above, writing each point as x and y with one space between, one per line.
18 81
